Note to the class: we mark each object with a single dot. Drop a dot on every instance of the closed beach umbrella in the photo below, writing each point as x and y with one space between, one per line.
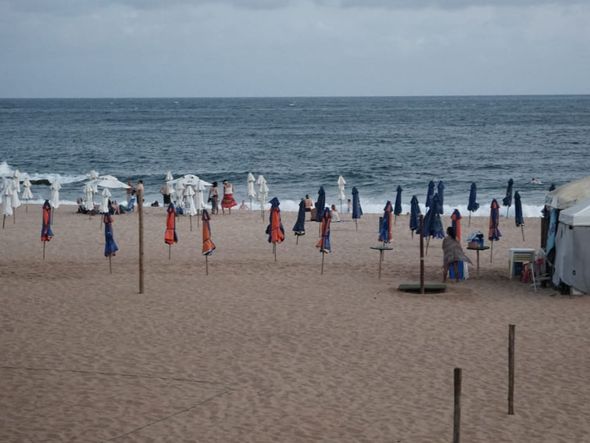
110 247
15 201
397 210
432 223
357 211
88 196
251 190
385 232
46 232
54 200
341 192
441 196
473 205
507 201
27 193
494 230
262 192
179 194
6 201
429 194
104 204
456 223
320 205
170 236
299 228
208 245
275 230
518 218
323 243
189 194
414 215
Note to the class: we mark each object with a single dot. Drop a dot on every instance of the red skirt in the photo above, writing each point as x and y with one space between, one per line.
228 201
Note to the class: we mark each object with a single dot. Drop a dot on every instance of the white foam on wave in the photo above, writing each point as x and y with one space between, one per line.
6 169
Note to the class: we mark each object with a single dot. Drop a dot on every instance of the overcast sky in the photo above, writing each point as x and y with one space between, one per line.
237 48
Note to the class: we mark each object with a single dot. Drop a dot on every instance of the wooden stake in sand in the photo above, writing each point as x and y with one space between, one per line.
511 336
457 405
139 192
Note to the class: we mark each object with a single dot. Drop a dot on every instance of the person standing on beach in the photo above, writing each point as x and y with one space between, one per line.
214 198
228 201
130 190
453 254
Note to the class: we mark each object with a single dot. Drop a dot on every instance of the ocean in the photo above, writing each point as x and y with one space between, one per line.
298 144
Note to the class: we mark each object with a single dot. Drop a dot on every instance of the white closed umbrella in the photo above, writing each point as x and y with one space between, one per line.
189 194
251 190
88 196
169 185
179 191
27 194
6 200
15 201
104 204
341 193
17 181
54 200
262 192
199 200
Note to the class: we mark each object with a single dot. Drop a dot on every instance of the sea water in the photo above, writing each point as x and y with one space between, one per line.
300 144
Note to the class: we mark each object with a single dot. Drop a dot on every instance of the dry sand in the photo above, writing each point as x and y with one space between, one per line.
264 351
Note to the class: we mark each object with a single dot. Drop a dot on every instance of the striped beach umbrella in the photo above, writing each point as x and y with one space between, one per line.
472 205
324 244
494 229
397 210
357 211
46 232
275 230
518 218
170 236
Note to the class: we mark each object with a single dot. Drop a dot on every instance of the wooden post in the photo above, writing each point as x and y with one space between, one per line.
511 336
139 193
421 255
457 406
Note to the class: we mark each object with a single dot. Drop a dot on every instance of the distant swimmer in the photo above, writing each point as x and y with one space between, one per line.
536 181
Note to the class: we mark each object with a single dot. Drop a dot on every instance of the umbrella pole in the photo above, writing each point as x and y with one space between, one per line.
380 262
469 218
191 220
341 206
110 266
44 250
412 235
323 253
14 217
522 230
395 220
421 255
206 265
492 252
26 208
356 224
169 252
427 244
274 250
3 221
507 210
297 240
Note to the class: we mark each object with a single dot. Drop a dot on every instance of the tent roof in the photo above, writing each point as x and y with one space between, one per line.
578 215
569 194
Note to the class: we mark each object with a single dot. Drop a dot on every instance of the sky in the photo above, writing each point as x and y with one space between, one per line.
252 48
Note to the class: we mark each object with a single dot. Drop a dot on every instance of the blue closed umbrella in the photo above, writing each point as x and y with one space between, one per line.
441 196
357 211
299 228
518 218
385 232
430 194
473 205
494 233
397 210
110 247
432 223
320 205
414 215
507 201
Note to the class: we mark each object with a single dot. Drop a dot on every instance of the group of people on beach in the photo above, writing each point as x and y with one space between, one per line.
227 202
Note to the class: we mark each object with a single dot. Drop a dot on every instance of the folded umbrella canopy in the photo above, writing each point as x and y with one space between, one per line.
46 232
429 194
323 243
414 215
189 194
357 211
88 197
6 200
507 201
432 223
494 230
275 230
320 205
441 196
299 228
170 236
473 205
54 201
110 247
251 191
262 192
341 193
208 245
518 218
104 204
385 232
397 210
27 194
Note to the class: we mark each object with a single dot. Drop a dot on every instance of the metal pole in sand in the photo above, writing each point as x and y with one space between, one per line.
191 220
457 405
522 230
356 224
274 250
44 250
469 218
323 253
139 192
14 216
421 255
206 265
511 335
169 252
427 243
110 266
3 221
492 252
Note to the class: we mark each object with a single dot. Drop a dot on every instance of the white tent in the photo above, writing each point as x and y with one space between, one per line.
54 200
572 252
569 194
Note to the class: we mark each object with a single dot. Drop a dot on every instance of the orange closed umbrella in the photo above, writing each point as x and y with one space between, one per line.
275 230
170 236
208 245
324 244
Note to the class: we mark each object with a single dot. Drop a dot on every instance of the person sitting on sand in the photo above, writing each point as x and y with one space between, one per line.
335 215
452 253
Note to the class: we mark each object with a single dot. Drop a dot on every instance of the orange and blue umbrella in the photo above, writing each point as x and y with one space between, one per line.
414 214
385 233
320 205
397 210
507 201
430 194
46 232
275 230
170 236
208 245
110 247
324 242
456 223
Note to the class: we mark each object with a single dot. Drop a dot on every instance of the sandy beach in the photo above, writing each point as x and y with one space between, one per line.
265 351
